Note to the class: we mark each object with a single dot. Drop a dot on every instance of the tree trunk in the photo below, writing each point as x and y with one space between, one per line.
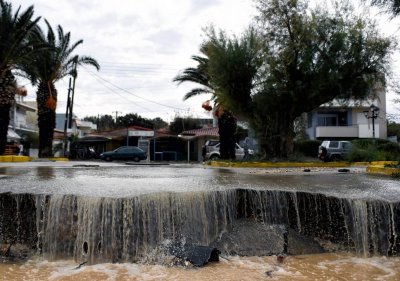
4 122
46 123
278 136
7 98
46 95
227 129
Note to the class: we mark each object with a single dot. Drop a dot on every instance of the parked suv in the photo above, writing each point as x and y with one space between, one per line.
333 150
212 150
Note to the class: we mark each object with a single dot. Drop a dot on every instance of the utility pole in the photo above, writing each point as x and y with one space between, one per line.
66 120
72 99
116 115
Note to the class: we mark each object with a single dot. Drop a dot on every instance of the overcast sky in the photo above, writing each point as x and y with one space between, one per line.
141 46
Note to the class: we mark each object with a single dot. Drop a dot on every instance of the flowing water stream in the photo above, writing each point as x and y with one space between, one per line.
112 219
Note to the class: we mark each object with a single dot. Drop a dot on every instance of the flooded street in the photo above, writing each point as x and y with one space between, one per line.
316 267
110 217
120 180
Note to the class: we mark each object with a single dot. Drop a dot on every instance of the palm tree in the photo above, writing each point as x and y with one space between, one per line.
391 6
49 67
15 50
227 71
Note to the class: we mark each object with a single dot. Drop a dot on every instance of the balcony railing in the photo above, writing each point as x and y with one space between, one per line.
337 131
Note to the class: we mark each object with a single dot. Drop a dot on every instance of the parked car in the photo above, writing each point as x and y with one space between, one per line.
124 153
212 150
334 150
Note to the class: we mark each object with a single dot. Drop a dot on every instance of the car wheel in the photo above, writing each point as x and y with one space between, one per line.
335 158
136 159
214 157
108 159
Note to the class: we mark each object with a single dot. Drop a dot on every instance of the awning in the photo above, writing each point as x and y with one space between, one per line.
92 139
12 135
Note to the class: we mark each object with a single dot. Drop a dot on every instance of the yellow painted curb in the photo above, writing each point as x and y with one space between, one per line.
296 164
277 164
21 159
6 158
59 159
14 158
380 170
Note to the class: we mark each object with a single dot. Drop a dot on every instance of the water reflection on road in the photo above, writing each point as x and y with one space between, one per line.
126 181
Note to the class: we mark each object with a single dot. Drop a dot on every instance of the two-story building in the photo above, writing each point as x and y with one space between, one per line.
349 119
20 124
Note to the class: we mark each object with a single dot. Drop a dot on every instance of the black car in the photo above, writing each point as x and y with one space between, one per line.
124 153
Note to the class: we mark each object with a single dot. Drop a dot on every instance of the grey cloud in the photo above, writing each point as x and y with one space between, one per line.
199 5
166 41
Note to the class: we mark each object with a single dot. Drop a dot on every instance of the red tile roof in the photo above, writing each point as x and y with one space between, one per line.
213 131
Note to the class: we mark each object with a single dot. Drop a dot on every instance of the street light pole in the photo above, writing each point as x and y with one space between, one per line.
372 113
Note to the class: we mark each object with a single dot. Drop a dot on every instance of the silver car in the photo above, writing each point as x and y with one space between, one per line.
212 150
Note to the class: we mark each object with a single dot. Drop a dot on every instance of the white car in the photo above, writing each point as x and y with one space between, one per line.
212 150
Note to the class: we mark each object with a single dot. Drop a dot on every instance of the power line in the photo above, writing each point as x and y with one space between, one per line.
126 91
115 92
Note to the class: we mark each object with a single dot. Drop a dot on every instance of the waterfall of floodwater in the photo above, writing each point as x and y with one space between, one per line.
102 229
365 226
125 229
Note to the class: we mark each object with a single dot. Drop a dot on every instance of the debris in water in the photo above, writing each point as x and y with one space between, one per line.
343 170
81 264
280 258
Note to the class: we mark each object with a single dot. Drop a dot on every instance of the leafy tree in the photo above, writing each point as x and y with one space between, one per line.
133 119
226 70
393 129
158 123
181 124
50 66
104 122
312 57
16 48
232 67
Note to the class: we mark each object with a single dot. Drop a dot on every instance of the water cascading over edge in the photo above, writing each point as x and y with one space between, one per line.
96 229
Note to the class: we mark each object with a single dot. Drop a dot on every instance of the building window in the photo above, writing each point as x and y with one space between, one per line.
327 120
309 120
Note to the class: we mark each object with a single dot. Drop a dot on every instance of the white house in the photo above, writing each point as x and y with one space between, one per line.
19 121
349 119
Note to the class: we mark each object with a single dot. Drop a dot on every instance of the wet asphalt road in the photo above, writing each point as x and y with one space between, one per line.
117 179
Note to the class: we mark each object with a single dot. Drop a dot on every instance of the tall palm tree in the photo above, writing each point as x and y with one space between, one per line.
16 48
49 67
227 70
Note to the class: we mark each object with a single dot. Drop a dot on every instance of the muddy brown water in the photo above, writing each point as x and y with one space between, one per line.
337 266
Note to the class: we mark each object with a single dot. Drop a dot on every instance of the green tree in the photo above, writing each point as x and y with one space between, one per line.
226 70
133 119
393 129
104 122
159 123
16 48
312 57
180 124
49 67
233 64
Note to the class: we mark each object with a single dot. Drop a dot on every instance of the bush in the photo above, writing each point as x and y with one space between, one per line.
374 150
307 147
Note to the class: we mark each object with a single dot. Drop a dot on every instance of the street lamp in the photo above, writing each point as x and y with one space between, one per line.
372 113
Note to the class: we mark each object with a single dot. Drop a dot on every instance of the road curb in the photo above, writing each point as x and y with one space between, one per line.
380 170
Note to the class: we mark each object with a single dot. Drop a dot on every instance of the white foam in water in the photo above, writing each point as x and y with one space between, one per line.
382 263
